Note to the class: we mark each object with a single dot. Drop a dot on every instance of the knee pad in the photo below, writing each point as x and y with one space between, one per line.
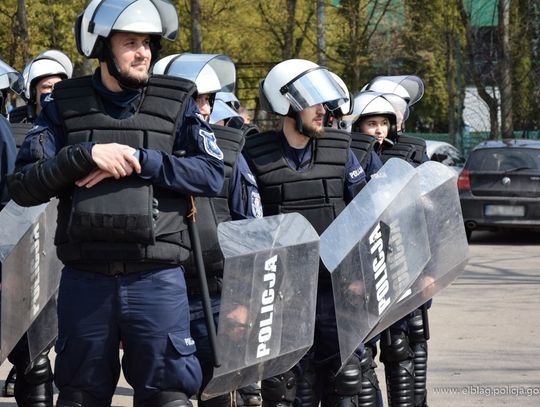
420 350
345 385
279 390
398 349
75 398
416 327
307 392
399 370
370 384
164 399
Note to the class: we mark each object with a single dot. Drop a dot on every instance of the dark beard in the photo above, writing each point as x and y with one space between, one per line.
312 133
131 82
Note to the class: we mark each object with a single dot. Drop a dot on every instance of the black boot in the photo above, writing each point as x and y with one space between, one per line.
35 388
251 395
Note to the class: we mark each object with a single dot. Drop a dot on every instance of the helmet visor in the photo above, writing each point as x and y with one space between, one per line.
108 11
222 111
314 87
10 78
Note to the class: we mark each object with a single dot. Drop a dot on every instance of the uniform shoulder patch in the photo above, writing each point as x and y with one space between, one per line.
256 205
210 144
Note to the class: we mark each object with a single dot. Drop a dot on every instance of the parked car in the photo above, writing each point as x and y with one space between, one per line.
499 186
445 153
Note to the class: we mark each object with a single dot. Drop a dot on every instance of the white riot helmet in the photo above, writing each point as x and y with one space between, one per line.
229 98
210 72
409 87
48 63
222 111
101 17
296 84
368 104
10 78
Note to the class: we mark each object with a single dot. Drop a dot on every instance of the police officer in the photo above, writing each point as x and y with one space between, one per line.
361 145
39 77
404 345
396 89
10 80
299 168
33 386
239 198
122 151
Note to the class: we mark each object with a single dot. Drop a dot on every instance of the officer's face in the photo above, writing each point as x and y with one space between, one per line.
376 126
133 55
45 85
313 120
203 103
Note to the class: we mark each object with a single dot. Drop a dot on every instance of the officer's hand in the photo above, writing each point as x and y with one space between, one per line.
93 178
116 159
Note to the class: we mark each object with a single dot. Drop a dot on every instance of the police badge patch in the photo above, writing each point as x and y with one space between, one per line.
210 145
256 205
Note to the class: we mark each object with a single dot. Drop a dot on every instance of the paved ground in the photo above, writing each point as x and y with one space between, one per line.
484 349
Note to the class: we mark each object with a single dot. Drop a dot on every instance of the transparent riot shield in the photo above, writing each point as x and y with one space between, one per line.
30 276
375 249
447 239
267 314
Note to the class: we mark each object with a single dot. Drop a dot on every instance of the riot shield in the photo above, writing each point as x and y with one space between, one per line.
30 276
268 298
374 251
447 239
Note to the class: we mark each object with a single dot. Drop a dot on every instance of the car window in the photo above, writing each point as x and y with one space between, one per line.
504 159
448 155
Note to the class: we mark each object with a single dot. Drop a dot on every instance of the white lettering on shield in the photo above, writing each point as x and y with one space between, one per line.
379 268
34 270
267 309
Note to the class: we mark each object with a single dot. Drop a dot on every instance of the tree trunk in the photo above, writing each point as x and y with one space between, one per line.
196 32
505 69
321 41
21 31
289 31
490 100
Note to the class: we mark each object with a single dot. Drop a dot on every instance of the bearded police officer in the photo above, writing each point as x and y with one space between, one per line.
301 169
122 151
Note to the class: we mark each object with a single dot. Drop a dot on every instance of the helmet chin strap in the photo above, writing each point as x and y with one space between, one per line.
298 123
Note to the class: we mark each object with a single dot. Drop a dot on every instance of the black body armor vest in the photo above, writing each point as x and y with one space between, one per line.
361 146
214 210
410 149
317 193
20 124
127 219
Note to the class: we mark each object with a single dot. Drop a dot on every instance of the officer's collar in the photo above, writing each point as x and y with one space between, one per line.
121 99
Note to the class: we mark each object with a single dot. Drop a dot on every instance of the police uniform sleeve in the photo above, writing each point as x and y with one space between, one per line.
7 158
355 177
373 164
244 198
44 168
200 171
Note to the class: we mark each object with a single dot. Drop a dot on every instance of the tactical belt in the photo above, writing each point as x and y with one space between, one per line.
115 268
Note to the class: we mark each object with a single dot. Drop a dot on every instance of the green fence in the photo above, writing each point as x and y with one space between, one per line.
471 139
